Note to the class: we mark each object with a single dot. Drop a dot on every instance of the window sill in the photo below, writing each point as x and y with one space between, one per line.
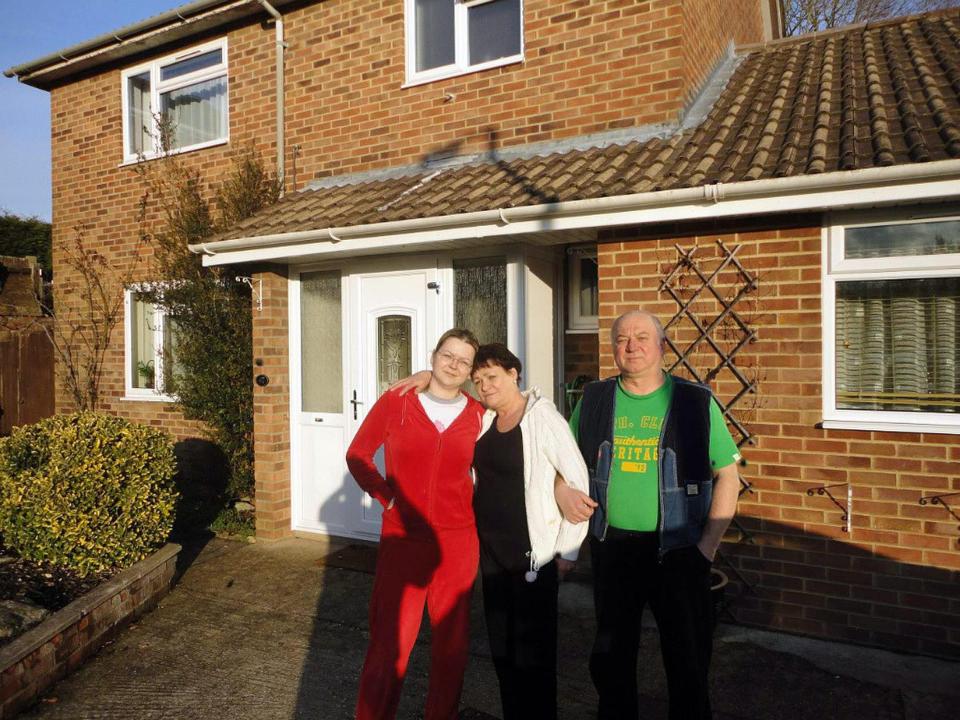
152 398
179 151
425 78
868 426
582 331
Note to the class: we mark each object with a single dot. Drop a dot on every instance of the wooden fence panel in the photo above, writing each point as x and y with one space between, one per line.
26 379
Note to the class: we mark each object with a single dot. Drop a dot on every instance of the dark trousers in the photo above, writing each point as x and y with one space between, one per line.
522 626
627 574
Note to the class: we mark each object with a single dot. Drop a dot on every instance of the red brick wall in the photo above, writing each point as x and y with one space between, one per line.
271 405
33 662
580 355
91 190
709 27
892 580
589 67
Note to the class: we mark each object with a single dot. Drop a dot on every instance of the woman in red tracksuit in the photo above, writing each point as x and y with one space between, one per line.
428 542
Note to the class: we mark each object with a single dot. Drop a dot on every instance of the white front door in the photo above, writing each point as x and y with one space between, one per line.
396 320
390 314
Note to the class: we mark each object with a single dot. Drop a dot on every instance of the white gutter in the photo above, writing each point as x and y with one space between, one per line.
281 47
196 16
870 186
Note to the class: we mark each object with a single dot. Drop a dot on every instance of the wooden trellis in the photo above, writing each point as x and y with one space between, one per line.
686 283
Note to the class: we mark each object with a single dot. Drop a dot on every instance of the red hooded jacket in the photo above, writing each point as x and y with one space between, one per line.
428 472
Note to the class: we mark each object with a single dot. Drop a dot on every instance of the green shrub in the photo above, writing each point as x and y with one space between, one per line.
87 491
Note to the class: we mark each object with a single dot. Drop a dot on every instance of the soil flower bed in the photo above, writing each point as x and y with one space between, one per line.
41 585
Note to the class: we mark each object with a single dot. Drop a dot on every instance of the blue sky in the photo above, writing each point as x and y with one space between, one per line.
31 30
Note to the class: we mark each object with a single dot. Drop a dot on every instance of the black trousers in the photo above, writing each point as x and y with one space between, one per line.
627 574
522 627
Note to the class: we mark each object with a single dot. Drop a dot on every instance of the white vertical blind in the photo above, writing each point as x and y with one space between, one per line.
197 113
897 345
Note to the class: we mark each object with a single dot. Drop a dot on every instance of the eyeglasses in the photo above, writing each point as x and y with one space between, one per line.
451 359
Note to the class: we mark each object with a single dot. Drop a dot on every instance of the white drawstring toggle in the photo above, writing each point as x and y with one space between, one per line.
531 574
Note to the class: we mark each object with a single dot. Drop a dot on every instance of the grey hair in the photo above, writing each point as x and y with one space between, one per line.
661 334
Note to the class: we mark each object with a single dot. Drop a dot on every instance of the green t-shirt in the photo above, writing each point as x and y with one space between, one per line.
633 501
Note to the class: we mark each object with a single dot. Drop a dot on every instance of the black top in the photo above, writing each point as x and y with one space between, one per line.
498 501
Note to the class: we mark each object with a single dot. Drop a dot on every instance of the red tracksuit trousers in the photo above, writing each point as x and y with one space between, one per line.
438 571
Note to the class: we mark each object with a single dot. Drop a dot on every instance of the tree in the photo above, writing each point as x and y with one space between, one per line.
80 329
20 237
210 310
806 16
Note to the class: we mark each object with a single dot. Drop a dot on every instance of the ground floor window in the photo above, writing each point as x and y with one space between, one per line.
892 340
151 342
583 298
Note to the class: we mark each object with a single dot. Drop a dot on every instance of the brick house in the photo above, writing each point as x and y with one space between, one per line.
532 169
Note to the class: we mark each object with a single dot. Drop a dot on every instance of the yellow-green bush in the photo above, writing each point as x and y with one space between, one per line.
87 491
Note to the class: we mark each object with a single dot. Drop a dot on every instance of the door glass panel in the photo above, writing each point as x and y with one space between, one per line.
480 298
320 332
393 350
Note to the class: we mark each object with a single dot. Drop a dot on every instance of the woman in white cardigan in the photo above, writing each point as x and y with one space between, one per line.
526 545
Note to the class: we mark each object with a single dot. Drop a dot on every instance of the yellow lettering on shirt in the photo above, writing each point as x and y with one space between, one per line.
636 467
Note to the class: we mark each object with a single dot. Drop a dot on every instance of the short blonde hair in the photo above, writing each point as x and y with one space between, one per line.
461 334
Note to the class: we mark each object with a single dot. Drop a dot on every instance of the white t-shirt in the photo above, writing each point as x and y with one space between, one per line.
442 412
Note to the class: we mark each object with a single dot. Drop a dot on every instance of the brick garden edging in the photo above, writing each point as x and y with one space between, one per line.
56 647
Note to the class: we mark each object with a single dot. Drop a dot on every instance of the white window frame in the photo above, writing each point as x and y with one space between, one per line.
155 393
461 64
577 322
835 268
157 88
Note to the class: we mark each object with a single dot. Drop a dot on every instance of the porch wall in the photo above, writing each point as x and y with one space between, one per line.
271 405
892 581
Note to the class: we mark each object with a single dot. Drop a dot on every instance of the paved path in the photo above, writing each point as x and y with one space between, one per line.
278 630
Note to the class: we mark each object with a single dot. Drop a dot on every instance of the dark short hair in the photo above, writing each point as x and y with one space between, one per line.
496 354
460 334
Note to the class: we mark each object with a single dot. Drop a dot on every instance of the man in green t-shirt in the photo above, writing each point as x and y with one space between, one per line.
664 482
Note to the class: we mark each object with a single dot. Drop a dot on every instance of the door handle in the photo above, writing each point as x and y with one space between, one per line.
355 402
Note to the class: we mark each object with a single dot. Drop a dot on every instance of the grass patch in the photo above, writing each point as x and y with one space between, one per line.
231 522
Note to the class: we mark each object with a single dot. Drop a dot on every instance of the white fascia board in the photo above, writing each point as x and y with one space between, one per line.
861 188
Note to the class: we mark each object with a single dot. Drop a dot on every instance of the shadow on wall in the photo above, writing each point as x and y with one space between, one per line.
202 477
786 579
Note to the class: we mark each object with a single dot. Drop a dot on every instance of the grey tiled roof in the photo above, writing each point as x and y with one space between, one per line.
869 96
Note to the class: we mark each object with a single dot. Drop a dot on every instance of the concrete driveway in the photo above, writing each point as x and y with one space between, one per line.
278 630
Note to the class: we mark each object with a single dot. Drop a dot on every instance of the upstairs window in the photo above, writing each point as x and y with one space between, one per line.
452 37
187 90
892 326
